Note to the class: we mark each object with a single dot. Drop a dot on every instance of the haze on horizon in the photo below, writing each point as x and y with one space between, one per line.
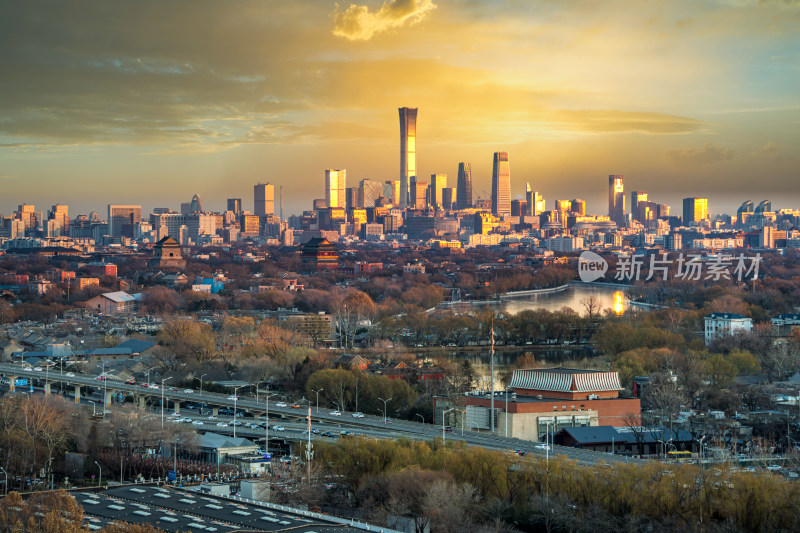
150 102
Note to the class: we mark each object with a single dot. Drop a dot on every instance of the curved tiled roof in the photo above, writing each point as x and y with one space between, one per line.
565 381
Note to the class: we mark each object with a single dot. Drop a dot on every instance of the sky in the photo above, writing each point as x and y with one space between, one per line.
150 102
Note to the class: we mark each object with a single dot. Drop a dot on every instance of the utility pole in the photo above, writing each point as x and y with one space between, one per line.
491 366
309 447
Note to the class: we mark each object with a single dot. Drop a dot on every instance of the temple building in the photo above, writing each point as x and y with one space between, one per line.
320 254
167 255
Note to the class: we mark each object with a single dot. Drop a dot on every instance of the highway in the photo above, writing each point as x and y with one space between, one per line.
369 425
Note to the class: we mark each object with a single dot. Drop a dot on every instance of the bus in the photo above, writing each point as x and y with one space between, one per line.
680 455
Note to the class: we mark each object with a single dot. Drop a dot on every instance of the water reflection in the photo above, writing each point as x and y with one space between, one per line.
575 296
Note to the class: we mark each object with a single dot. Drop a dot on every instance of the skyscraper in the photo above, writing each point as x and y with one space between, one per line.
408 151
636 197
264 199
464 186
121 219
60 214
616 199
694 209
235 205
419 193
370 192
438 184
501 185
335 185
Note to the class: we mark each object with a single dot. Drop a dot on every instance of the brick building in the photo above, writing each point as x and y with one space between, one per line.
546 399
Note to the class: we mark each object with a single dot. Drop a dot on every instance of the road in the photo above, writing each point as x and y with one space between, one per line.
369 425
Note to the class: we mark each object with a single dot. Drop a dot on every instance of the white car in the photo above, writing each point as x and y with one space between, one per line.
335 413
233 397
358 415
188 391
542 446
222 425
281 404
70 374
278 428
197 423
774 467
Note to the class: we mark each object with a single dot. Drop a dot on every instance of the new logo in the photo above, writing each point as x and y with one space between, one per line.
591 266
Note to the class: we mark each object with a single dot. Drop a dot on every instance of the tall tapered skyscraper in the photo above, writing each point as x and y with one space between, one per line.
408 151
616 199
501 185
464 186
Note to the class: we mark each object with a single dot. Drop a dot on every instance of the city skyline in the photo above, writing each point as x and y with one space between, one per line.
686 99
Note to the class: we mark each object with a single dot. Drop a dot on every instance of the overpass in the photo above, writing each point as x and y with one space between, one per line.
369 425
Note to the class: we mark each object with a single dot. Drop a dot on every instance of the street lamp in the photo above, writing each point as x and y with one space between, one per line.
421 417
100 477
337 406
163 380
318 391
94 411
266 422
235 397
384 408
444 415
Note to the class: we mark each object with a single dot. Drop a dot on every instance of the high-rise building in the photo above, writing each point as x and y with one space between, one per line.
694 209
578 206
464 186
354 197
235 205
448 193
419 194
335 185
534 200
391 191
562 205
370 192
636 197
264 199
616 199
408 151
60 214
519 208
501 185
438 184
122 218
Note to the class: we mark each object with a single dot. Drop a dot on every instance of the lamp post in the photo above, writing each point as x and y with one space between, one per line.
100 477
337 406
444 416
384 408
266 422
317 392
163 380
235 397
421 417
94 411
105 389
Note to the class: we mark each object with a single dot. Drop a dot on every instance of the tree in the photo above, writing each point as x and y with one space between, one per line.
188 339
160 300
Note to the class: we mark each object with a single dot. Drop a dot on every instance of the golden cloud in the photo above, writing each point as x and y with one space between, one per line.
358 23
709 153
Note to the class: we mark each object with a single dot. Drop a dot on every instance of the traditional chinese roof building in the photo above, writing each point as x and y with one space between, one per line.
320 254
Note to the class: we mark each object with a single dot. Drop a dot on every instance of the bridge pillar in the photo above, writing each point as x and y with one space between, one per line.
107 397
142 401
47 389
177 405
77 394
12 383
215 411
